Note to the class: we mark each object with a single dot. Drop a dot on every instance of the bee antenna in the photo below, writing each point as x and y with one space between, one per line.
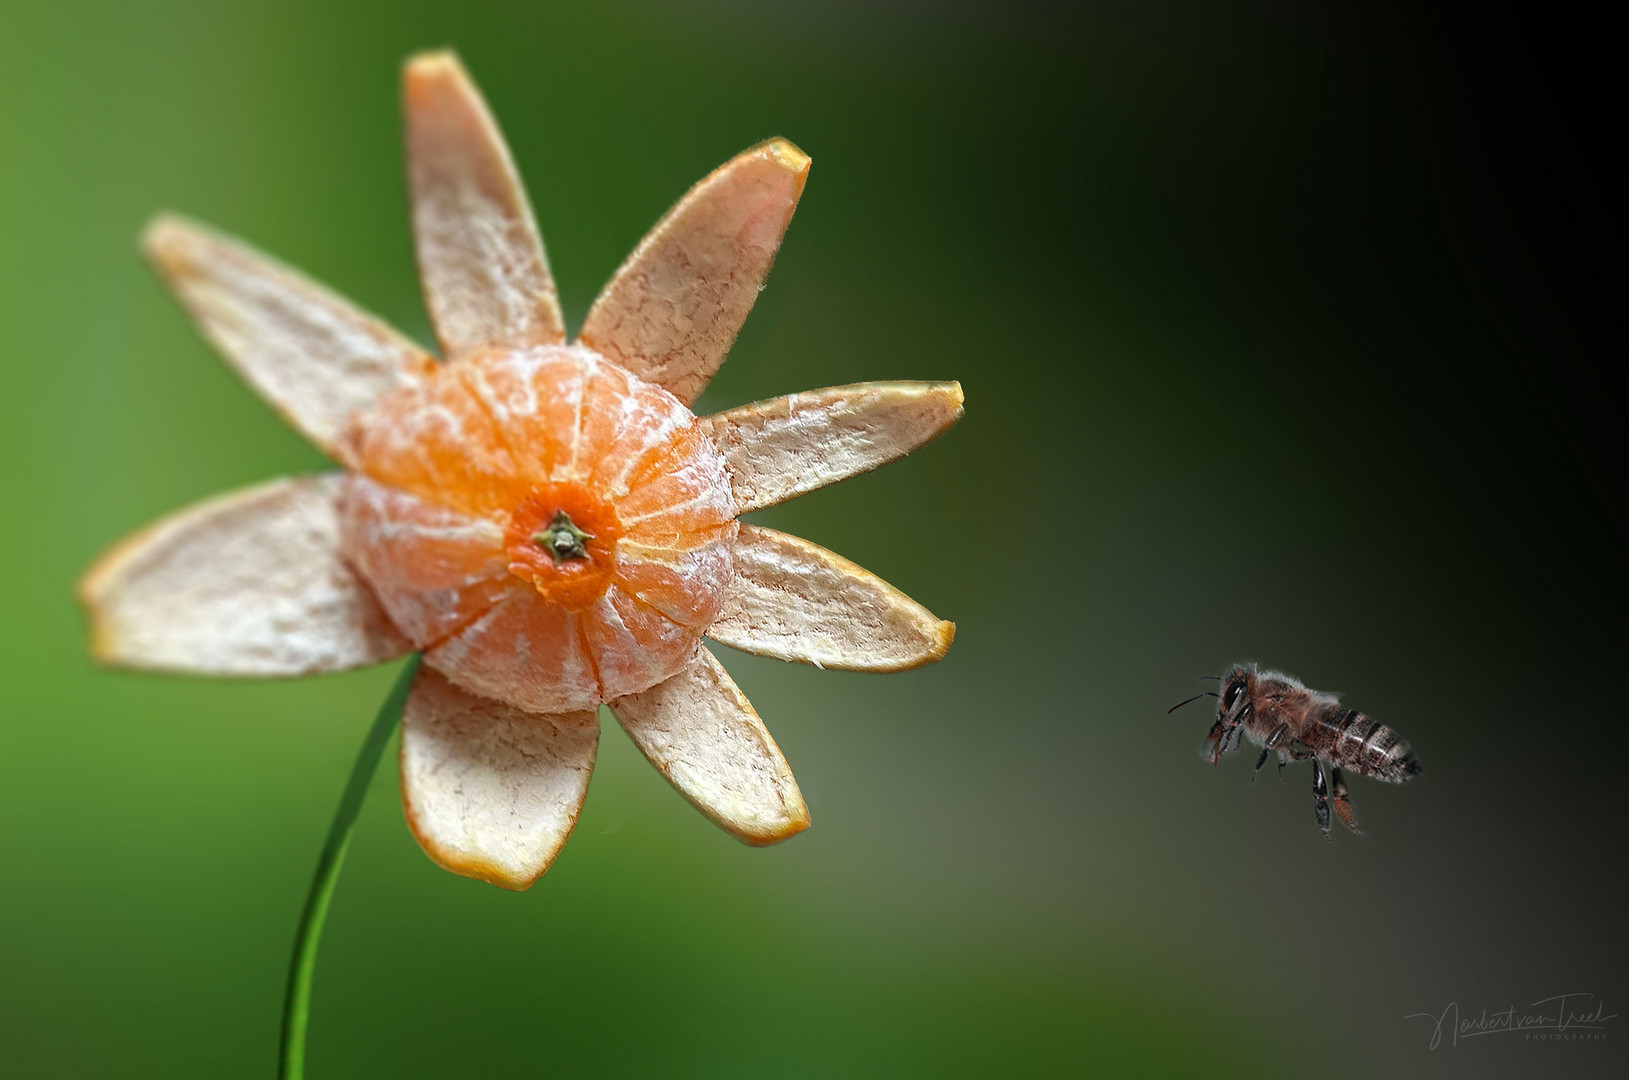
1218 678
1184 701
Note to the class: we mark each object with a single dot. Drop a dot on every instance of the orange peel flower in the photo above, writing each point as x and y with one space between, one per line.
547 523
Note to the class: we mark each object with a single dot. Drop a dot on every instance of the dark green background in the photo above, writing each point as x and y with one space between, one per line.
1280 329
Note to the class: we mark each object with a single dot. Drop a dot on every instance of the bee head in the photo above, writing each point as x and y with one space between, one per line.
1235 696
1232 710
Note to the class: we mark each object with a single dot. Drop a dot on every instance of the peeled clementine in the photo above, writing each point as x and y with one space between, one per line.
551 530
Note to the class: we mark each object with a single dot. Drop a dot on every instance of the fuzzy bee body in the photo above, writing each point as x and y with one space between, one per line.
1281 716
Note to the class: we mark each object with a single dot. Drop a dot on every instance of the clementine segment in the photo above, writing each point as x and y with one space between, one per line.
535 400
553 531
632 644
524 651
687 587
434 570
433 439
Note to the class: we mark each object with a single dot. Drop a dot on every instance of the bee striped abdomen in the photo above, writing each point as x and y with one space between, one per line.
1350 740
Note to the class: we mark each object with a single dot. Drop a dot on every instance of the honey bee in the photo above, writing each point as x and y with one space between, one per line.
1281 716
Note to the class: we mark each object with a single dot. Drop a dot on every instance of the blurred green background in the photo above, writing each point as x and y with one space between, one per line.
1281 329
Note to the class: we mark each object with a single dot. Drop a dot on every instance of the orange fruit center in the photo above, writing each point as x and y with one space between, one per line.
562 540
549 529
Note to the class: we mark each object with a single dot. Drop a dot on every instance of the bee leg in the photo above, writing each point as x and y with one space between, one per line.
1343 804
1320 799
1272 744
1283 760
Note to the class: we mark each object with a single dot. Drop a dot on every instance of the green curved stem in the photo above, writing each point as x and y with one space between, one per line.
297 998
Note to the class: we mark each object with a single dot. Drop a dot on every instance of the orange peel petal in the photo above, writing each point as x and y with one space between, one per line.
314 356
781 448
489 791
249 583
702 734
486 279
671 311
794 600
